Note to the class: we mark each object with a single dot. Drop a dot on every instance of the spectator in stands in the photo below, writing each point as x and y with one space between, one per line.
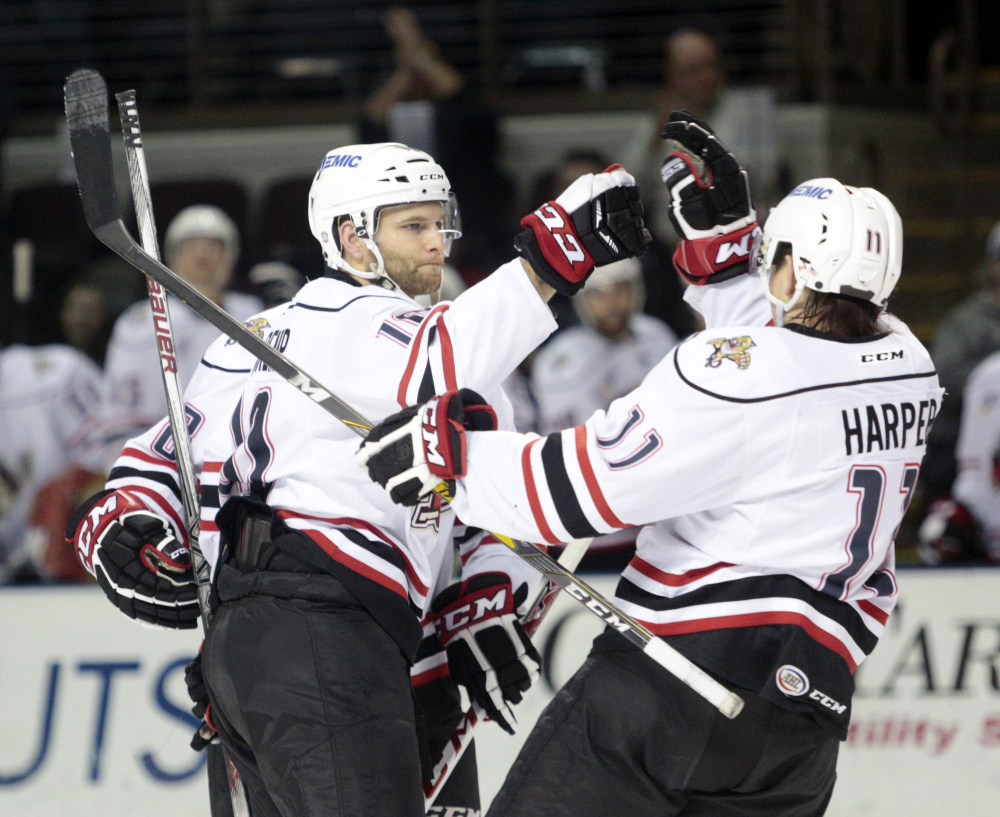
607 355
966 336
425 103
202 246
664 288
48 403
743 118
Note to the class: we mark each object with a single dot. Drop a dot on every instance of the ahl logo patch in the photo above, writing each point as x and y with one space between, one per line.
734 349
792 681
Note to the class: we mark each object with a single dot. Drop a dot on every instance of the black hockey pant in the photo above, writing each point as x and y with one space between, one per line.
313 704
624 737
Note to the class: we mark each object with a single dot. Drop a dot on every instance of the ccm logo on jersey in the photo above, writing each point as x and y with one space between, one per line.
794 683
880 357
475 610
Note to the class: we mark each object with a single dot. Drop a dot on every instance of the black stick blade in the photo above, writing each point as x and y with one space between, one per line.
86 97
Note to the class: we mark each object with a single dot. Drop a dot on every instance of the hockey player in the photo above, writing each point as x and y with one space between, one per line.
966 525
138 554
48 396
325 593
202 246
772 466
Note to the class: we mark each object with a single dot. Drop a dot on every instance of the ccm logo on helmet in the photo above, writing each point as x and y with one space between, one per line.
812 192
432 177
340 160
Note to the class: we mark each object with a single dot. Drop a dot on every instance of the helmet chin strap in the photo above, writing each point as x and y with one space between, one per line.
780 306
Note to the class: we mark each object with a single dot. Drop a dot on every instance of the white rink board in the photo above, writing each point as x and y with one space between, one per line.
925 740
108 671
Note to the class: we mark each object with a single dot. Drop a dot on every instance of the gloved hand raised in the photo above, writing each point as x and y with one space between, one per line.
595 221
489 652
134 554
710 203
409 453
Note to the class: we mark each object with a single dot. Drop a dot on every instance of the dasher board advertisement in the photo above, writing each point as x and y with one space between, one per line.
94 714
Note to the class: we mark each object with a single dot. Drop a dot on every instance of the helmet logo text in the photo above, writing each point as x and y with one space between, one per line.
340 160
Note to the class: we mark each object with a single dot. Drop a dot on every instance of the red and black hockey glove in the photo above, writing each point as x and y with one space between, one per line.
595 221
948 533
411 452
710 203
141 566
489 652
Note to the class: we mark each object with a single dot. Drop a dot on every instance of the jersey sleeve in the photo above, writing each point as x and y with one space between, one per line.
739 301
455 344
628 466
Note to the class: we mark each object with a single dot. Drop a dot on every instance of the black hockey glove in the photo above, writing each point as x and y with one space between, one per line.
597 220
194 678
489 652
411 452
136 558
710 203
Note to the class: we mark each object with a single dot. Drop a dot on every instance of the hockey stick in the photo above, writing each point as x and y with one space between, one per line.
176 411
461 738
87 117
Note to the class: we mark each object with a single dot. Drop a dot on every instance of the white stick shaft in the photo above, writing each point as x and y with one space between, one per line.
165 345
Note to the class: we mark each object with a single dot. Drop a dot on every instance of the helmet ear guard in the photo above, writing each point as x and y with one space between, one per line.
359 181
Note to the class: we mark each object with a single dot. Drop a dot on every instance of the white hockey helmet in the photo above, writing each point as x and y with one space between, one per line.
359 181
202 221
626 271
844 240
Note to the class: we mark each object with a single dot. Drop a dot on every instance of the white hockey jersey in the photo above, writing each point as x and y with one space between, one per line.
132 398
48 405
581 370
378 351
977 485
771 467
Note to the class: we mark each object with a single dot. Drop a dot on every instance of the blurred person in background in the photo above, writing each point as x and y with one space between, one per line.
48 404
694 79
202 246
967 335
427 104
965 526
610 351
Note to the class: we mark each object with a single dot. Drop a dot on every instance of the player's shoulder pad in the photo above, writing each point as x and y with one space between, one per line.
750 364
328 295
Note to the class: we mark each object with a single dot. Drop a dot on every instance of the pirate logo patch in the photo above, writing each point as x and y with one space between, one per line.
255 325
734 349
